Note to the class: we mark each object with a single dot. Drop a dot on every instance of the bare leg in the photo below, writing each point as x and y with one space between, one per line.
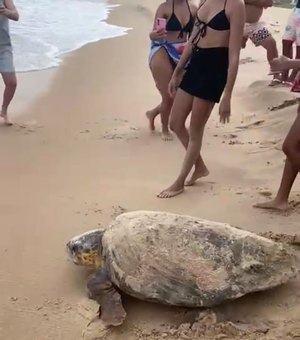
10 82
162 72
102 290
280 202
151 115
244 41
294 72
270 46
291 148
287 51
201 111
181 109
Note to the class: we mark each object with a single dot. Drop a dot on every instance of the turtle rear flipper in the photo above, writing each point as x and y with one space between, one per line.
101 289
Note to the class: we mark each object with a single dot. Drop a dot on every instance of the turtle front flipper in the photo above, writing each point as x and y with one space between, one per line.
102 290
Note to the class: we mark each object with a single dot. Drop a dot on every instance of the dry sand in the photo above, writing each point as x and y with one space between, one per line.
80 153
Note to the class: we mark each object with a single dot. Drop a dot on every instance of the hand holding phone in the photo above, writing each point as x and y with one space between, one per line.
159 32
161 24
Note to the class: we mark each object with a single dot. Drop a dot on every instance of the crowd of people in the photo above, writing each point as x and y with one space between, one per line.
194 60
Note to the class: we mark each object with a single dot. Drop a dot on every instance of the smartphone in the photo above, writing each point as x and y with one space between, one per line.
161 24
296 88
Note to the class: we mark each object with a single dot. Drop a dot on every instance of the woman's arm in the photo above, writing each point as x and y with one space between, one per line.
10 10
237 21
160 13
284 63
293 64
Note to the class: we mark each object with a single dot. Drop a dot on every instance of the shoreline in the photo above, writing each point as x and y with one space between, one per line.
29 82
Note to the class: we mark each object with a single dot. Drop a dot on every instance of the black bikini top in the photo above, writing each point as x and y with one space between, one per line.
219 22
174 25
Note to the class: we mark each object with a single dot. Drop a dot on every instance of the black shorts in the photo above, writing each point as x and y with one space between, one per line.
206 74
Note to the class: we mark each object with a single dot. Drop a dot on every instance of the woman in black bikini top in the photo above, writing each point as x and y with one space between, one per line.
166 49
174 25
212 59
218 22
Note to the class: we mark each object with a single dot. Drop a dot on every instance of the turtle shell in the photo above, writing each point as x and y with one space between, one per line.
187 261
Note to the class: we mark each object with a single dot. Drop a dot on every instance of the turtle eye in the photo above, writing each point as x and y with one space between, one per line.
74 248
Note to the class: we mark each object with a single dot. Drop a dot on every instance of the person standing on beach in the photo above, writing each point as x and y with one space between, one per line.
167 45
291 36
258 32
213 53
291 148
8 12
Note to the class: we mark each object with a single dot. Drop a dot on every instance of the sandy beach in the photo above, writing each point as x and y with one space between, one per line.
80 153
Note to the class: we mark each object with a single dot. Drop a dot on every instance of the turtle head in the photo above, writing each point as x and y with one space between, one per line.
86 249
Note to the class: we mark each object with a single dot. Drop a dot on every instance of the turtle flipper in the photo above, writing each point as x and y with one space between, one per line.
101 289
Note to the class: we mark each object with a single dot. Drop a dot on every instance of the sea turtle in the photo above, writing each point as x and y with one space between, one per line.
176 260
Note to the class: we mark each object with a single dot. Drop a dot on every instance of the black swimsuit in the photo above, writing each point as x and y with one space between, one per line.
174 25
206 74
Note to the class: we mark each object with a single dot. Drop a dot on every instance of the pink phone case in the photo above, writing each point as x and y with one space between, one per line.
161 24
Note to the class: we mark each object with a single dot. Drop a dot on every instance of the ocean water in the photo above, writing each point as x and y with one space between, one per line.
49 28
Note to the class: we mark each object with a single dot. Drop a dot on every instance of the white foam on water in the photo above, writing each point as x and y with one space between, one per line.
50 28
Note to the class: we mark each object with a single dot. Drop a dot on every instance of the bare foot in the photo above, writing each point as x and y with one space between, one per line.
195 176
273 205
151 116
275 82
6 120
166 136
172 191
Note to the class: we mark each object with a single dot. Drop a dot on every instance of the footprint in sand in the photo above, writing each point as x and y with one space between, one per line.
94 329
286 103
251 125
122 132
29 127
246 60
265 193
117 210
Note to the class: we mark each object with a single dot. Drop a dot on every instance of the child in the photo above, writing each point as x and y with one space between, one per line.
258 31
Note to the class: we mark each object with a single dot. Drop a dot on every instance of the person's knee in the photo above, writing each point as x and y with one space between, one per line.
167 100
176 125
289 147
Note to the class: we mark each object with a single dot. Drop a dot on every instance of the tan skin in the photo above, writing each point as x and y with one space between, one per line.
9 10
291 148
161 67
254 11
201 109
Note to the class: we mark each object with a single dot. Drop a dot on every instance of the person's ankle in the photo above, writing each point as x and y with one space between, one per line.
180 182
4 111
281 200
